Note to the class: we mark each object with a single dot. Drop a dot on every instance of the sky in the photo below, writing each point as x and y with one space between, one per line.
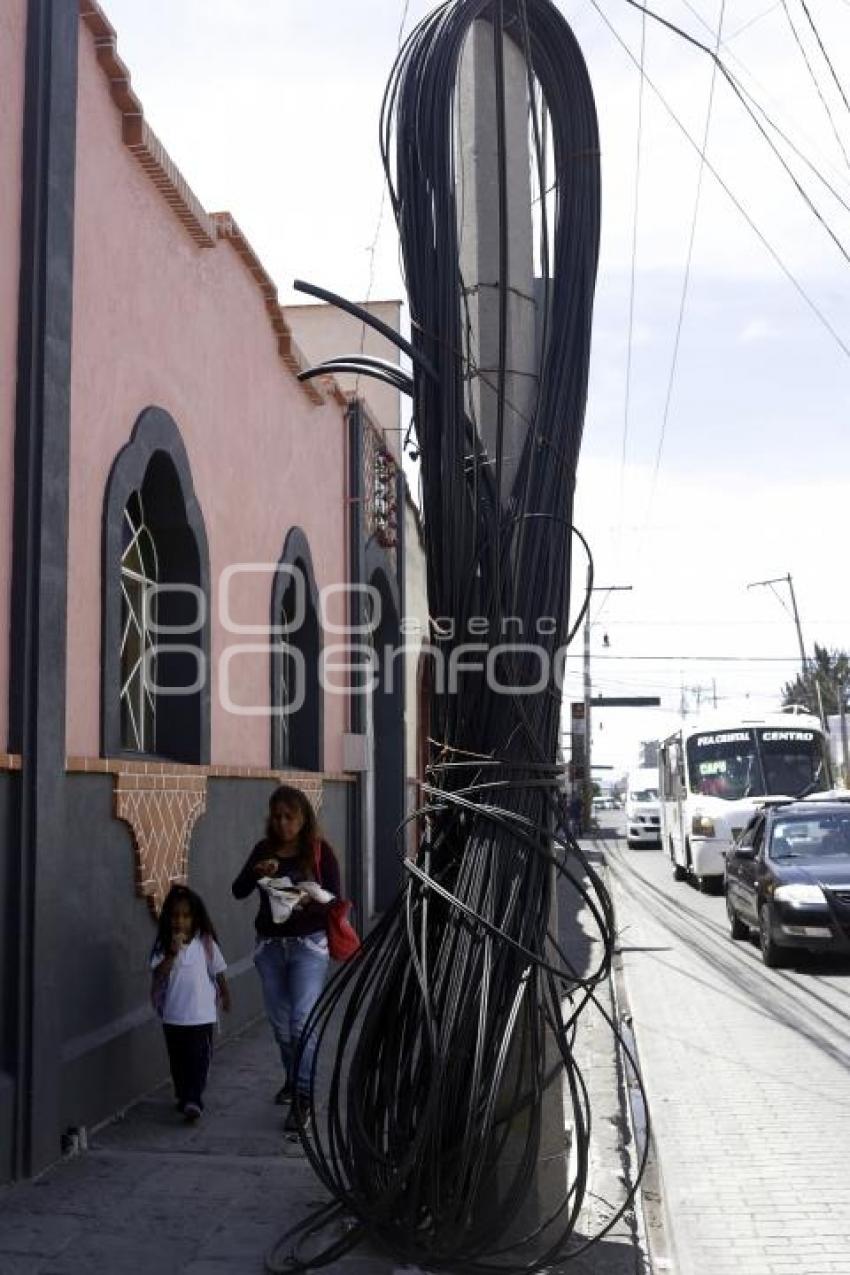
270 109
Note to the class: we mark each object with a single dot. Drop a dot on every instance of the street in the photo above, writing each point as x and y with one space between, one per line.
747 1076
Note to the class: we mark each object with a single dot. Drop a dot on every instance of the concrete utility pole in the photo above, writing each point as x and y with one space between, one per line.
483 205
493 212
786 579
842 719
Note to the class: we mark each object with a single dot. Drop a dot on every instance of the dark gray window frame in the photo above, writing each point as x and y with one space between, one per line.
154 433
296 552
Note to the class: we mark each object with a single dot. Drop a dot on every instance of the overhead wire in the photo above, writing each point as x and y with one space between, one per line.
825 55
813 77
744 99
373 247
733 56
687 276
724 185
632 285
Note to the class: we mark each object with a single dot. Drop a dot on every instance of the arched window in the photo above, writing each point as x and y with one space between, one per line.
296 694
155 658
139 573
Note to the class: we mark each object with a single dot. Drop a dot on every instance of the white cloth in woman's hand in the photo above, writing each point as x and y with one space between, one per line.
283 897
315 891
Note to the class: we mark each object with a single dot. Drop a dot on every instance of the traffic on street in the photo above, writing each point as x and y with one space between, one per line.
746 1066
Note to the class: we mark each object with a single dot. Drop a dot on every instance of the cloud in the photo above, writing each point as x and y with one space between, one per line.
758 330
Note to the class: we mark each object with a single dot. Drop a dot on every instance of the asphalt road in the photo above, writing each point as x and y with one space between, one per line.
748 1073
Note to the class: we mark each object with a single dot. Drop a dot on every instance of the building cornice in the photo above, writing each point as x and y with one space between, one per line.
206 229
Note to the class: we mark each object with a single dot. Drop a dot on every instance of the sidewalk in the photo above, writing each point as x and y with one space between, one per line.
153 1196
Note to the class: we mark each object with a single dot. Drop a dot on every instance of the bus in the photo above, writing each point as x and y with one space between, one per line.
715 772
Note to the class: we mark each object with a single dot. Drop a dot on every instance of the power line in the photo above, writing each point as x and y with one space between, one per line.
792 279
826 56
686 280
726 659
743 99
373 248
752 22
635 221
812 143
814 78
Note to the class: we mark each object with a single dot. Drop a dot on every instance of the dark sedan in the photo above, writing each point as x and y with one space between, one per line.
788 876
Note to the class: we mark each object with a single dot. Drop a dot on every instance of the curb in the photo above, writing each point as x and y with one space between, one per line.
652 1219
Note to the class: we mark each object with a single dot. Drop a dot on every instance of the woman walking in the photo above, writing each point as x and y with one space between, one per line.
296 875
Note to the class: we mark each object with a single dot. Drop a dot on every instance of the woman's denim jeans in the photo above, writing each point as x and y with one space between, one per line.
292 972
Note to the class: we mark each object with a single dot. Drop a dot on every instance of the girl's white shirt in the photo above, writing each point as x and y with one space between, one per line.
190 1000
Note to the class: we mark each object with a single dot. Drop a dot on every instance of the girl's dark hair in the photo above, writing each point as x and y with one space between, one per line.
293 798
201 923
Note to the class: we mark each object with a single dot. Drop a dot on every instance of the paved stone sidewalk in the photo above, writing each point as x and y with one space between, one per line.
153 1196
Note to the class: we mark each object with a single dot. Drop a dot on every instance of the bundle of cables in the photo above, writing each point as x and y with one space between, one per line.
446 1047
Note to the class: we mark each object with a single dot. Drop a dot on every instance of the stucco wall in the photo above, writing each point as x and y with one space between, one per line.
323 331
12 47
160 320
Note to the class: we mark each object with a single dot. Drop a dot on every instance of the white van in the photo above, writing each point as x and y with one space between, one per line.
643 812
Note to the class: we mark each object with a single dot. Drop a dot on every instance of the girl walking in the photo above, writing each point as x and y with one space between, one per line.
187 982
296 874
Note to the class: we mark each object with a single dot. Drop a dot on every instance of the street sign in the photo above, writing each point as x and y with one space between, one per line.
626 701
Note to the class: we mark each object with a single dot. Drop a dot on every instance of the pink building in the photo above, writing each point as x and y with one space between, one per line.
155 443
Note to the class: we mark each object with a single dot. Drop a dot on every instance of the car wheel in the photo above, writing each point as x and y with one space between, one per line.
737 929
679 873
772 955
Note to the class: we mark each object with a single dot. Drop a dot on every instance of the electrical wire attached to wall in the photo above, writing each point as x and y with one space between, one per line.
446 1048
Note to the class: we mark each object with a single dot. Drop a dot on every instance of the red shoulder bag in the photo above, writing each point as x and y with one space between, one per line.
343 940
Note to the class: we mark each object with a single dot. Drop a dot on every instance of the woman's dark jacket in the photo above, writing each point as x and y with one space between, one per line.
306 919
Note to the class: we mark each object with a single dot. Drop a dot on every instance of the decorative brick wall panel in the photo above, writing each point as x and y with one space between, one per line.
161 811
162 801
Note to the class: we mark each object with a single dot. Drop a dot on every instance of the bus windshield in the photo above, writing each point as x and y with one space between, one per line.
724 764
793 761
753 763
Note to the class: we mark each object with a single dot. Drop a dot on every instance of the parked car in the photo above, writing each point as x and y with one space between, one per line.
788 876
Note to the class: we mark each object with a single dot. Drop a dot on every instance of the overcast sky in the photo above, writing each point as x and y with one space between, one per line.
270 108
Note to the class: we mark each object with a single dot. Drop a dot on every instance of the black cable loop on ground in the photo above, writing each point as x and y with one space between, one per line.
445 1045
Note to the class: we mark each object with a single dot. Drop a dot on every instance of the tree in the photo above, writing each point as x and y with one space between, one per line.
827 671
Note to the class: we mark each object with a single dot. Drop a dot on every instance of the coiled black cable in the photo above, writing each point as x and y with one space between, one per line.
446 1039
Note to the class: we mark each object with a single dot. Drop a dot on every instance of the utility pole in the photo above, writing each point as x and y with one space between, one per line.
842 718
588 793
495 233
786 579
